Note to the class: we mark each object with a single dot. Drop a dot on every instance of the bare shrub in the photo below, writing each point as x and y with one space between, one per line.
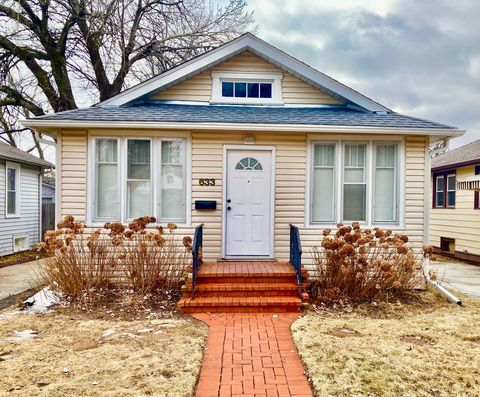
359 265
114 257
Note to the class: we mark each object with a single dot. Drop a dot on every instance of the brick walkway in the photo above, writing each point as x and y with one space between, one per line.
251 355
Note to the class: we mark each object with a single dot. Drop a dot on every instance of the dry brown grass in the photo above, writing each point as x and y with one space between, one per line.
424 349
71 358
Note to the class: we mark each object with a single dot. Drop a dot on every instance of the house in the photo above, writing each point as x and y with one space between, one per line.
455 213
246 140
20 199
48 189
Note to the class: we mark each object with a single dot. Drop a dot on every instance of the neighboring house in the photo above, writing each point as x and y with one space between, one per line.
20 199
257 136
48 189
455 214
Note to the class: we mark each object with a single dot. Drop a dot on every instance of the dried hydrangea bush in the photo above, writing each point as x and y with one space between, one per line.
358 265
134 257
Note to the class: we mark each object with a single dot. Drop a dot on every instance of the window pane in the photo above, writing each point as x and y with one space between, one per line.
11 203
354 199
439 201
227 89
253 90
11 176
107 191
440 184
354 155
451 199
172 152
106 150
323 155
138 159
354 175
266 90
240 90
323 195
451 182
385 181
139 196
173 192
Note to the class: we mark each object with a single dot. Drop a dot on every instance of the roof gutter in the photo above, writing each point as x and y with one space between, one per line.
55 124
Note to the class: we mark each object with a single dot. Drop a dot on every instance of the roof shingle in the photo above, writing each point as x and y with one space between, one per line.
12 153
464 154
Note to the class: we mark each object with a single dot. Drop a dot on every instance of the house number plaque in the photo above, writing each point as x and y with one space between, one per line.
206 182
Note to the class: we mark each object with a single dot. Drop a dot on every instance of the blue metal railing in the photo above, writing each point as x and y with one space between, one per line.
296 255
197 247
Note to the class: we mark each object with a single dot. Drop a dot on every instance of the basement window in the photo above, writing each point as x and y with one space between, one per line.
20 243
447 245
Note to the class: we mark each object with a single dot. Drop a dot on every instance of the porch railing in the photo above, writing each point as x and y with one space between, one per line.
197 248
296 255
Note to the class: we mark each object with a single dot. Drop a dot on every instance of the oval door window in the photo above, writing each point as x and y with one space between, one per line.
249 163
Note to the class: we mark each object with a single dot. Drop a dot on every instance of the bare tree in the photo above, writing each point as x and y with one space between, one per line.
57 54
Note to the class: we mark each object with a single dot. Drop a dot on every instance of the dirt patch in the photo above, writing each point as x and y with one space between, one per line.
21 257
344 333
428 347
73 355
419 340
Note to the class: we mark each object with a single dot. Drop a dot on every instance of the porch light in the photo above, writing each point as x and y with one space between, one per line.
249 139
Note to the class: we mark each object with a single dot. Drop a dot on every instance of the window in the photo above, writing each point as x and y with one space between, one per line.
125 184
107 197
244 87
385 194
249 163
362 176
323 191
20 243
476 202
444 190
12 189
354 183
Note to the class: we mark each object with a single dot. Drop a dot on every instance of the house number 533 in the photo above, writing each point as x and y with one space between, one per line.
206 182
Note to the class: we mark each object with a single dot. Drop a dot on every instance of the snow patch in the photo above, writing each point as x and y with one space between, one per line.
42 301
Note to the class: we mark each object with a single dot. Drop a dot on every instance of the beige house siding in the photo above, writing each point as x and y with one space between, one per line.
207 162
460 223
199 87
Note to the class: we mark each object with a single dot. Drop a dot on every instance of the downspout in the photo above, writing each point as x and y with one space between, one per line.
437 286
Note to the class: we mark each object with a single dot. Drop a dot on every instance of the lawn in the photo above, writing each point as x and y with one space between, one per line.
422 349
77 355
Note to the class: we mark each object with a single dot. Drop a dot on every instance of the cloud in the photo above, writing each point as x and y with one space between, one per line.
417 57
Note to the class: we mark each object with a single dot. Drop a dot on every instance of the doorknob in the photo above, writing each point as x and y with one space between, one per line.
229 208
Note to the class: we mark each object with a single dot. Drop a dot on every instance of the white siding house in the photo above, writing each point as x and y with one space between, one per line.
20 199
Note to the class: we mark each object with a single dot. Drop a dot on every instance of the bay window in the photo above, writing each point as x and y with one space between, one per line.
134 177
362 176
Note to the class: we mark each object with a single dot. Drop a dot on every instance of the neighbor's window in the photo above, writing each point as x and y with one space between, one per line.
323 187
107 198
444 190
12 199
385 196
125 183
349 176
476 203
354 183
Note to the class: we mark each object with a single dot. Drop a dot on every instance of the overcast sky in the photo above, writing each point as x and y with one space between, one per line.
418 57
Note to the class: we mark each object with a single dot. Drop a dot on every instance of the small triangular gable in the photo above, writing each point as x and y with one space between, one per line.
190 81
199 87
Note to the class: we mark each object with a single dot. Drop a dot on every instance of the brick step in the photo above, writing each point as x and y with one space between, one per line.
240 304
241 289
233 279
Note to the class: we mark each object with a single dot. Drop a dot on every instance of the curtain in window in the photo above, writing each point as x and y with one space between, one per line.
11 191
172 195
385 183
354 186
107 179
139 189
323 194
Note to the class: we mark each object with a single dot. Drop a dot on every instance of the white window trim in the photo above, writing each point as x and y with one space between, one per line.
257 77
447 190
371 141
17 168
27 245
155 163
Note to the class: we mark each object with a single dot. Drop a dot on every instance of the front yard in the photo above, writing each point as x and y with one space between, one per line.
77 355
428 349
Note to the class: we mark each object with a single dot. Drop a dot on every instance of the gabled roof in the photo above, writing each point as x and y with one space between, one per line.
464 155
9 152
241 114
262 49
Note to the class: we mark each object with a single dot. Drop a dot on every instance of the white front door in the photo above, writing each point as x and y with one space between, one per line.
248 205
